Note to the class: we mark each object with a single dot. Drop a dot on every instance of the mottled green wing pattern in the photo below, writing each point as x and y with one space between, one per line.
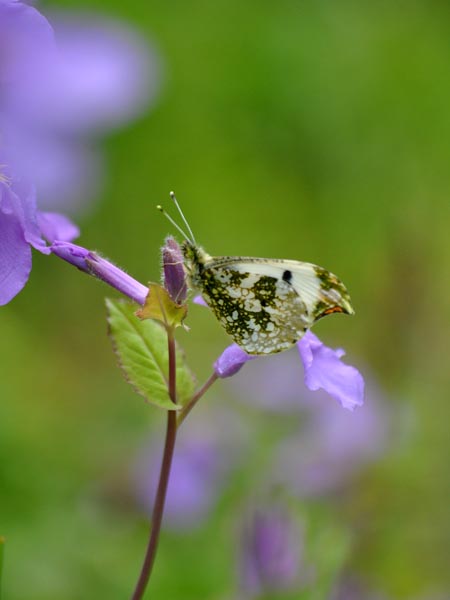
266 305
262 314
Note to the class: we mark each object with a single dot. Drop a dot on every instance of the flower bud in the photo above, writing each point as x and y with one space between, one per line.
173 271
231 361
92 263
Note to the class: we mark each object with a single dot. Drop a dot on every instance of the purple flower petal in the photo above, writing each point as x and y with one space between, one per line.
24 33
18 198
54 227
18 230
15 257
324 369
199 300
231 361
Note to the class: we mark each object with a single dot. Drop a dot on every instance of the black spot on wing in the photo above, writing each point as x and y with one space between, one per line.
287 276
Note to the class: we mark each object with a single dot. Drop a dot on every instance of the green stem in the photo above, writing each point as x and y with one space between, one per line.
158 508
183 413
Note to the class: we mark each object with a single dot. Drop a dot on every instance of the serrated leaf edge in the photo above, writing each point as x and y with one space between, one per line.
120 303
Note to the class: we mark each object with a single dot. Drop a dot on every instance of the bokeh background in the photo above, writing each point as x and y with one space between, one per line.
311 130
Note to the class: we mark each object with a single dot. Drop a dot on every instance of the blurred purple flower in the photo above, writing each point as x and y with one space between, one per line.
354 588
272 552
326 445
204 456
322 365
67 172
96 76
22 226
332 446
24 35
102 76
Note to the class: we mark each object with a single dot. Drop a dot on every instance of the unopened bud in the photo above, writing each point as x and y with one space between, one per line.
173 269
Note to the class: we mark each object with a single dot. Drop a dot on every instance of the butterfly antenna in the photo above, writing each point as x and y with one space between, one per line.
172 195
174 223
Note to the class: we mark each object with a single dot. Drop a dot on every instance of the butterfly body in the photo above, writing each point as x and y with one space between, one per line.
265 305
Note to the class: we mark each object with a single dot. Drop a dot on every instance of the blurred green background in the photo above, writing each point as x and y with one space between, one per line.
311 130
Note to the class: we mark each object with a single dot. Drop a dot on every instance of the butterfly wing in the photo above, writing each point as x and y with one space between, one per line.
267 305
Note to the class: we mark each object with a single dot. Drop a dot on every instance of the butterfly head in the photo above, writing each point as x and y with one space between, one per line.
195 259
194 256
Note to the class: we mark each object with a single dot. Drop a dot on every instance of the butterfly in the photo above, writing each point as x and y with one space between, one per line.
265 305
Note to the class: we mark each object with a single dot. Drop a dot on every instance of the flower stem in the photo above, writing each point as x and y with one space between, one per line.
158 508
196 397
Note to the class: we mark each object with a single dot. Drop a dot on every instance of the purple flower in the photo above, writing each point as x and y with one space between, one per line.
322 365
22 226
96 76
173 271
101 75
95 265
272 552
325 370
232 359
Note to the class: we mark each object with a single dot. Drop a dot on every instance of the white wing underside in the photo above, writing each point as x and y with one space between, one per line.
266 305
304 277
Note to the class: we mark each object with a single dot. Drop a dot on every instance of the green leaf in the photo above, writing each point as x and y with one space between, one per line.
2 545
160 306
141 348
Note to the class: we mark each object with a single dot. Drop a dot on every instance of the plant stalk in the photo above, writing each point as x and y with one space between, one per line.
169 445
196 397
